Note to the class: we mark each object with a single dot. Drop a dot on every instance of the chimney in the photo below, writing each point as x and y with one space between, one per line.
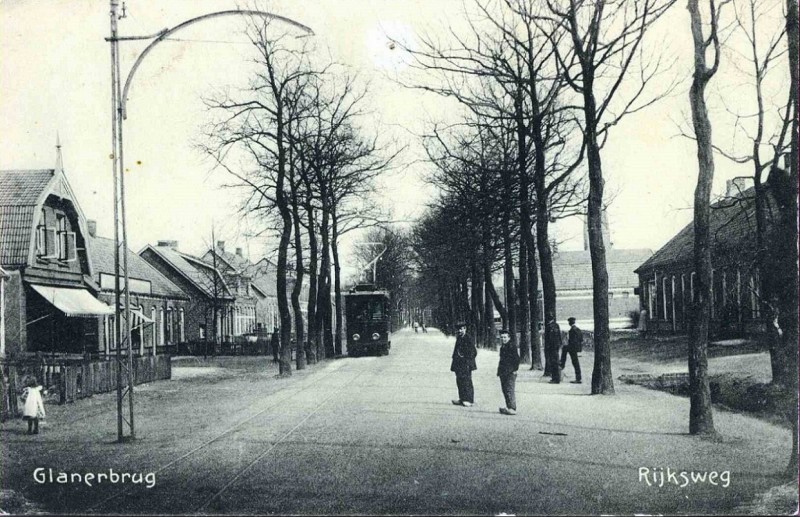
221 245
168 244
91 227
238 252
737 186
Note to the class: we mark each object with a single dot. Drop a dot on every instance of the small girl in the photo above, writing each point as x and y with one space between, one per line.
34 405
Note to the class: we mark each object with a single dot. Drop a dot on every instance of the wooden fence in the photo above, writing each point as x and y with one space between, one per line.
69 378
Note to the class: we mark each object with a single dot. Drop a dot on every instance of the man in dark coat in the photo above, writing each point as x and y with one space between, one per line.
552 348
507 371
275 343
462 365
574 345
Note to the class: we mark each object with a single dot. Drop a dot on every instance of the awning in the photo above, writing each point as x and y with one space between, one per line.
73 302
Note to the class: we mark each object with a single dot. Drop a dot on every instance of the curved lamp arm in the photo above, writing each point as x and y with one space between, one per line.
167 32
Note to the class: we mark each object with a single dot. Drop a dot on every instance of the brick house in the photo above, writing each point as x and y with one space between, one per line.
573 276
572 271
263 279
50 300
666 279
158 306
207 289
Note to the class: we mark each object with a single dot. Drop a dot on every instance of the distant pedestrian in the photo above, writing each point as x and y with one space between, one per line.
463 364
574 345
424 328
552 338
507 371
415 327
275 344
33 409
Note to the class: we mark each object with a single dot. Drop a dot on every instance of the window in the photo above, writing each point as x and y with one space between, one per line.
161 326
61 237
170 337
181 323
154 324
41 236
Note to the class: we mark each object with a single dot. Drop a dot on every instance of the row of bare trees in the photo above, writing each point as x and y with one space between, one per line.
541 84
294 141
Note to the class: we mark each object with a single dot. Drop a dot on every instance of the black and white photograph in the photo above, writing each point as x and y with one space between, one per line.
399 257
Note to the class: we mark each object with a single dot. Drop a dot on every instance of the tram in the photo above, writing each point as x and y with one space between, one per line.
368 320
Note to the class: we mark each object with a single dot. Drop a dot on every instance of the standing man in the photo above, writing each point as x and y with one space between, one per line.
462 365
574 345
551 351
275 343
507 371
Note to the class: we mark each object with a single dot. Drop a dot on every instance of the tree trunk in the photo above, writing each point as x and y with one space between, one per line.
299 332
498 303
525 229
476 310
602 379
546 266
791 302
337 284
701 419
536 344
508 280
324 342
285 364
488 313
313 324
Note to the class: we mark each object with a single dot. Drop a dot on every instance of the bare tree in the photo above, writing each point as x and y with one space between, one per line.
603 43
701 419
256 123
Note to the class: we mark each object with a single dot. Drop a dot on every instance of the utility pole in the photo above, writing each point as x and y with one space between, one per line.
122 308
119 98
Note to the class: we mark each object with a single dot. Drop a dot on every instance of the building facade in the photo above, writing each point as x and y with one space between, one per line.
50 300
667 279
158 306
217 311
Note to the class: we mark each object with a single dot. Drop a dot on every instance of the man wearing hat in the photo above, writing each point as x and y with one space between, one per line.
462 365
574 345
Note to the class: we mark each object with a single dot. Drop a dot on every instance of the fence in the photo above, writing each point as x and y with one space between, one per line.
69 378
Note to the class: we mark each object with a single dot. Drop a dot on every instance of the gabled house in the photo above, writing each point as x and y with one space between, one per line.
158 306
51 300
210 294
260 279
573 277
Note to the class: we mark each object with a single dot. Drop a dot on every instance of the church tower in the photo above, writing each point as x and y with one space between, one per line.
606 232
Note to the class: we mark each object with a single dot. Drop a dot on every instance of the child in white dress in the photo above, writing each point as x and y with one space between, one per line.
34 405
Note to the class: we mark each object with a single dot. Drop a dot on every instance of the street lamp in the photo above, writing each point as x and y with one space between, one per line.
119 97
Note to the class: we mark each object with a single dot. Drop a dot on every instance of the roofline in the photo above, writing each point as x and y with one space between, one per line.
181 273
191 258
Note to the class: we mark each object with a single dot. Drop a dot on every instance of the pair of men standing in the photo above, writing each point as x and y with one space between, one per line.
463 363
553 365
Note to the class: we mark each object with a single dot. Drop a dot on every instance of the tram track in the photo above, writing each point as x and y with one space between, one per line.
311 383
274 445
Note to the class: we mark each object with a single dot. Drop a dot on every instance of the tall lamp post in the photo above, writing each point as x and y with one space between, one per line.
119 97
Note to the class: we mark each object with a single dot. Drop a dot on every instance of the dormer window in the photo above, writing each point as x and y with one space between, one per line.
61 230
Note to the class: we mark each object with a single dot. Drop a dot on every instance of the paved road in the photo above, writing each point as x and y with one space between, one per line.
378 435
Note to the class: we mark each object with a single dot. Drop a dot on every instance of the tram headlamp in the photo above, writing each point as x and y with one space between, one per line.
376 336
356 337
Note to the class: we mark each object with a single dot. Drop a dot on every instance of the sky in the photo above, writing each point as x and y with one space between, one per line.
55 83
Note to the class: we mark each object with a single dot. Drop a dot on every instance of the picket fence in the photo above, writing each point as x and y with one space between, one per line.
68 379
